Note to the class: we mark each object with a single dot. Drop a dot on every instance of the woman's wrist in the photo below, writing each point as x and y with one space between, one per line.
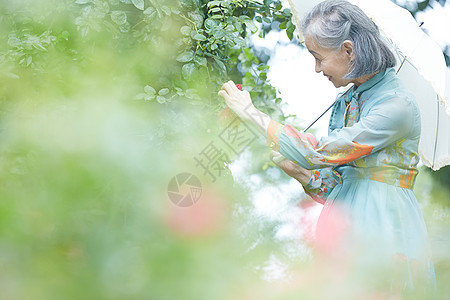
303 177
291 168
256 117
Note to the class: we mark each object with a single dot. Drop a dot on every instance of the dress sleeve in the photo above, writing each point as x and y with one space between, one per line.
386 123
321 184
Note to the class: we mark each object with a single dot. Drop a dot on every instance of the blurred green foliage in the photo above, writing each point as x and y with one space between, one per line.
206 38
423 5
102 102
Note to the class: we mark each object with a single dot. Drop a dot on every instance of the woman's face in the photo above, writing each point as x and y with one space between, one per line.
334 64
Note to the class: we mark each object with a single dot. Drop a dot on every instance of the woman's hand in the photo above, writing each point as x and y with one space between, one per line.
302 175
238 101
241 104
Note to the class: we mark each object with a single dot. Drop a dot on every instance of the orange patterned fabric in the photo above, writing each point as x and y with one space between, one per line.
347 154
273 135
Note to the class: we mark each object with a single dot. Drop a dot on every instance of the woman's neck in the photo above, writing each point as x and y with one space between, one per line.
358 81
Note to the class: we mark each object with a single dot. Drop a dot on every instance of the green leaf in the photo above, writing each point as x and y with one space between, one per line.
200 60
161 99
290 26
287 12
210 24
185 30
218 32
188 70
179 91
119 17
138 3
215 10
200 37
166 10
163 92
221 66
191 94
250 25
186 56
13 41
290 34
142 96
214 3
266 19
124 27
197 19
279 16
240 41
422 5
149 90
187 4
282 25
151 13
258 19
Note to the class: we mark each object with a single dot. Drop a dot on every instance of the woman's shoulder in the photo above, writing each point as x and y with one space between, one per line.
391 89
392 99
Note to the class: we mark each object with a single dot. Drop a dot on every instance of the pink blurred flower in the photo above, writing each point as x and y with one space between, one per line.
206 217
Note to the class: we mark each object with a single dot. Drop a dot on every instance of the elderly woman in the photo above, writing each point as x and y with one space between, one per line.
364 170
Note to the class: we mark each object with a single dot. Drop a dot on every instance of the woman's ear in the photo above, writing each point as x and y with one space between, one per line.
347 48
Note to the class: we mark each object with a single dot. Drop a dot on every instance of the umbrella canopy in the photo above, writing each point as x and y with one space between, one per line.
421 66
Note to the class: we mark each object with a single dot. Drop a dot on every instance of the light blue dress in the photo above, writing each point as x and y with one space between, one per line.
364 172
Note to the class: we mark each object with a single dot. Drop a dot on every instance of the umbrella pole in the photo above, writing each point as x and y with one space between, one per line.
401 65
317 119
436 138
404 57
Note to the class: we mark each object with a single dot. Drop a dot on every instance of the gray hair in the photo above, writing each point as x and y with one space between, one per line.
332 22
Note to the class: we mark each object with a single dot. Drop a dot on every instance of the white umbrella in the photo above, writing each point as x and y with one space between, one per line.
421 65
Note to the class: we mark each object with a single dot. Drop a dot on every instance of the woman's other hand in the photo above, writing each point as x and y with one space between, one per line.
302 175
